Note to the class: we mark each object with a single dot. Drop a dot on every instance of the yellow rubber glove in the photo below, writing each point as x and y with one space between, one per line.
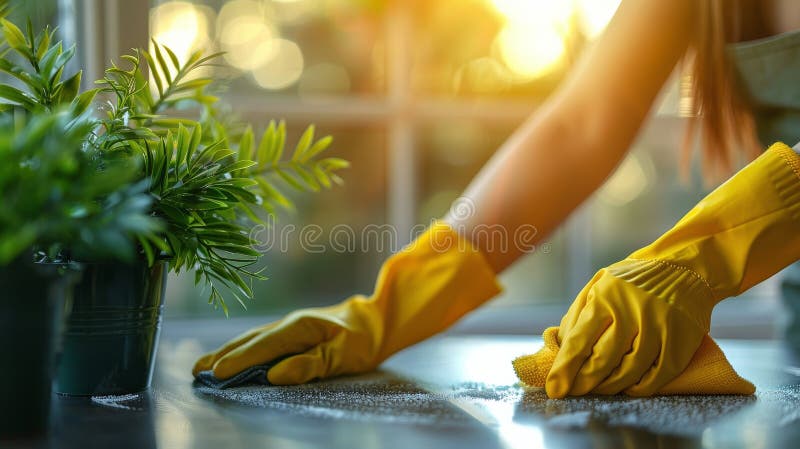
420 291
709 372
638 323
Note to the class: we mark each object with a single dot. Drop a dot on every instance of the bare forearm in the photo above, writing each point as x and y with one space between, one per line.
565 151
531 185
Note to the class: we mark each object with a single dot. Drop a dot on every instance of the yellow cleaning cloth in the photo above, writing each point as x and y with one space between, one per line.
709 372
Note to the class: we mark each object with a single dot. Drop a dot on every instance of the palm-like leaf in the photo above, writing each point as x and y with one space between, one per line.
207 176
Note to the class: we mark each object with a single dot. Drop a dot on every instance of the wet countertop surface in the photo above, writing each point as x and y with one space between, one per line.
451 391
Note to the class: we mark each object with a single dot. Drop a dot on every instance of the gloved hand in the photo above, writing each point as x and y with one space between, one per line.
638 323
420 291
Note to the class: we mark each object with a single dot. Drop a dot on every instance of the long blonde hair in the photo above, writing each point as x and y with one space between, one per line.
718 109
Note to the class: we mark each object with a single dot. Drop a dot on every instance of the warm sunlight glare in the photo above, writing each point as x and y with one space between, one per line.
595 15
528 52
534 11
532 40
181 26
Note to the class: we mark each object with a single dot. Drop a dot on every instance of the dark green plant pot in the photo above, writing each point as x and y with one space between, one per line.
32 297
112 330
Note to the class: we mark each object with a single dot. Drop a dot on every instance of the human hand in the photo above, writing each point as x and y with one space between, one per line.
636 325
310 344
420 291
633 328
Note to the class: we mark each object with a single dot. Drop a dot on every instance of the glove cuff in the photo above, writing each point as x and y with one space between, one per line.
670 283
786 176
429 285
744 231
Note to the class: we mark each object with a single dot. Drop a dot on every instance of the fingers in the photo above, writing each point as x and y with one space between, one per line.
571 317
607 354
288 337
675 355
643 353
301 368
207 361
576 346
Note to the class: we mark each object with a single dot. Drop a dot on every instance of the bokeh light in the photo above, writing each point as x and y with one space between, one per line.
284 67
182 26
595 14
531 44
530 52
633 178
246 34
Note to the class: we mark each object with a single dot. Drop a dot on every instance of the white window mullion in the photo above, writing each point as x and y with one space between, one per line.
401 160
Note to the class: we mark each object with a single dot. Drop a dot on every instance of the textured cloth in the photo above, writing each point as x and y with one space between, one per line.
253 375
709 372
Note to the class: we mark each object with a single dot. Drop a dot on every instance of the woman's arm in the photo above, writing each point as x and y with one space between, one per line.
542 173
564 151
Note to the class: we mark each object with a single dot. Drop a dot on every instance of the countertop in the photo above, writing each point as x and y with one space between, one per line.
451 391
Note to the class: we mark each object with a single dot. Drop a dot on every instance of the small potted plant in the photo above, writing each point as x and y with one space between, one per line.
210 181
54 197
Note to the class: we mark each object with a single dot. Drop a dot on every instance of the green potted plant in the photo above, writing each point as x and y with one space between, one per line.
210 181
55 198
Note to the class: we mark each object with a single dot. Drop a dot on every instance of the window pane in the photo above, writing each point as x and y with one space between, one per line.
296 47
312 256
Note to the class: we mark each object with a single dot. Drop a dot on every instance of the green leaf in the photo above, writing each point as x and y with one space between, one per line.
70 89
238 166
14 37
318 147
263 155
161 62
62 60
44 43
303 144
154 72
148 250
17 96
193 85
289 179
194 142
307 177
280 141
322 176
334 163
48 61
236 249
246 146
174 59
271 193
33 82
